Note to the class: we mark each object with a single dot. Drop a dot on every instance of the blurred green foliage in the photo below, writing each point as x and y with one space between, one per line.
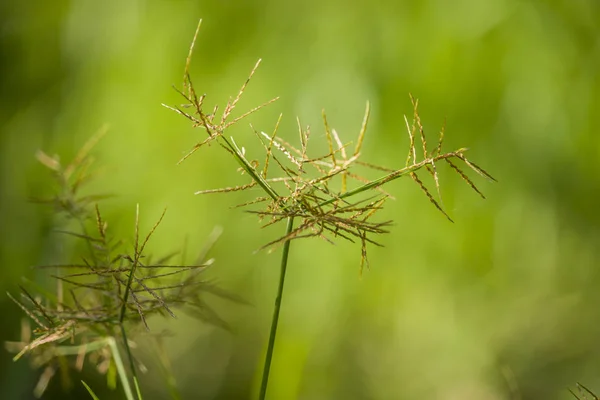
503 304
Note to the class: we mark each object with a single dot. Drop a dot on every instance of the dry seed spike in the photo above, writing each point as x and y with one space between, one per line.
255 201
465 178
318 162
37 305
303 144
431 169
196 148
375 167
438 149
185 96
243 88
140 310
281 148
337 229
294 234
226 107
152 292
306 139
319 232
429 196
181 112
411 147
198 102
363 129
356 214
263 173
101 225
55 335
287 145
436 179
291 174
320 165
231 105
415 103
365 181
140 249
341 146
326 191
189 57
349 162
313 184
301 133
211 117
476 168
78 266
275 217
280 179
328 135
327 176
349 207
342 149
247 113
375 206
197 122
97 286
364 260
421 133
270 147
77 235
227 189
193 97
27 311
211 130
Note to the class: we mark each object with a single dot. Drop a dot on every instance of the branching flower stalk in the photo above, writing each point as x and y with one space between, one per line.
108 294
303 190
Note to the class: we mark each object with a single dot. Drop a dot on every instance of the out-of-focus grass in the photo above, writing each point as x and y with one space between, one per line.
499 305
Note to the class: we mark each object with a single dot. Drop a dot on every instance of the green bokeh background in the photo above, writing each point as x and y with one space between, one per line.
503 304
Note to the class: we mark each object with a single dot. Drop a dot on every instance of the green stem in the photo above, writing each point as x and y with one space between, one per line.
131 365
120 367
116 354
275 320
239 156
391 176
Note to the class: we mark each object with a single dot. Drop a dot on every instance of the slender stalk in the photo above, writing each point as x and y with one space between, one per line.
131 365
276 309
391 176
120 367
90 391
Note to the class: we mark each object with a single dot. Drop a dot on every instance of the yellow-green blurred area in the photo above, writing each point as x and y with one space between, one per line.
502 304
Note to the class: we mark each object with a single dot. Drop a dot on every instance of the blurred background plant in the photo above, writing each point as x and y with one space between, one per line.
106 293
500 305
